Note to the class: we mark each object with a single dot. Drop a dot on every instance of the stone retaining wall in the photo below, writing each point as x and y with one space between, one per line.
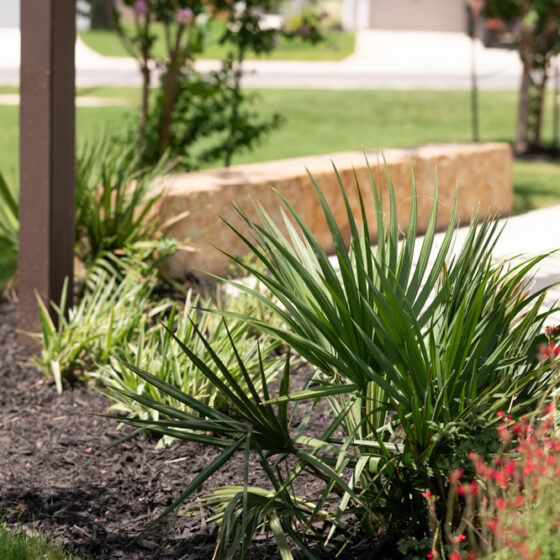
481 174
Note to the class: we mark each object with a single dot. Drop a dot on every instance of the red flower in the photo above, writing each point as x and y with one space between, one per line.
499 477
455 476
474 488
509 468
427 494
550 351
500 503
494 24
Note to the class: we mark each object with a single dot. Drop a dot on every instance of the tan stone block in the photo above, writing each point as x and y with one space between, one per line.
480 175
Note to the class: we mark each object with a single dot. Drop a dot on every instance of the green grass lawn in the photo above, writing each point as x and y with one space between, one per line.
18 546
328 121
338 45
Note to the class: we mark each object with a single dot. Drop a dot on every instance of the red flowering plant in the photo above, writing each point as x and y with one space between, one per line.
505 508
511 511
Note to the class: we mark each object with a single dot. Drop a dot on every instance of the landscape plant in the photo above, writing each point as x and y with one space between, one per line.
509 507
413 352
115 212
116 222
108 314
153 348
190 107
9 230
536 24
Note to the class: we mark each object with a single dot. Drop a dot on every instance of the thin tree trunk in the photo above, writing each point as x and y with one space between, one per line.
170 92
536 141
177 57
237 75
146 75
525 51
474 93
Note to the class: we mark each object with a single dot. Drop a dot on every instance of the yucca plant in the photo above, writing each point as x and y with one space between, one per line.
155 350
9 230
429 347
414 352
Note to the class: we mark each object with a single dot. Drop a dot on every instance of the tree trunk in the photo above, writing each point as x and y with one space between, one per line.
170 91
177 57
237 75
145 70
541 92
525 52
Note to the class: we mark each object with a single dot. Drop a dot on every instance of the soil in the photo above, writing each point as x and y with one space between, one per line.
55 480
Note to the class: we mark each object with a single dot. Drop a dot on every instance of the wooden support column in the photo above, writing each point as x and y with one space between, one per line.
47 174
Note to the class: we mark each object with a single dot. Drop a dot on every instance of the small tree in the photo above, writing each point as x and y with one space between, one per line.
190 106
538 27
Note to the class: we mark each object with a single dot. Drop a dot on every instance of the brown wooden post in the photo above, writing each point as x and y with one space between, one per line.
48 34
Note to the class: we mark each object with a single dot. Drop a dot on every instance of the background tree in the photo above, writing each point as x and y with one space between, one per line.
190 106
537 23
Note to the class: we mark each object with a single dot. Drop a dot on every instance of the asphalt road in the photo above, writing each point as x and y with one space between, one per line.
320 79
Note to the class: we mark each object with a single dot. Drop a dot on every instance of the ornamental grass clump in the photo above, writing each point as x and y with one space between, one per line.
9 230
115 199
154 348
107 316
414 353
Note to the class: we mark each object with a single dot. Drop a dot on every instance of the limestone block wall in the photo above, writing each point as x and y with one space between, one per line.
480 174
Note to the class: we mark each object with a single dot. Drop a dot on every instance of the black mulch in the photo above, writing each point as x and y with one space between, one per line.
53 480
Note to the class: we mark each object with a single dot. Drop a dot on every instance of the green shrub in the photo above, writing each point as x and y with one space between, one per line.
115 198
115 218
414 355
9 230
507 507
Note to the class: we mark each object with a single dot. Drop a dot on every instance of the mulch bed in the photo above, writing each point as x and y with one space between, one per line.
54 481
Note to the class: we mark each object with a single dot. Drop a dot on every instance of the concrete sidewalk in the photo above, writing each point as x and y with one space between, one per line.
382 59
526 236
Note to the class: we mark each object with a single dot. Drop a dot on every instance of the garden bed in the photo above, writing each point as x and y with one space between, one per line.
55 481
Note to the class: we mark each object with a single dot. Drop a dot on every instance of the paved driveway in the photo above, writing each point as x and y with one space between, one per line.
382 59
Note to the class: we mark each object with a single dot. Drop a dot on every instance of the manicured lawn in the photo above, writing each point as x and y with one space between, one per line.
339 45
17 546
328 121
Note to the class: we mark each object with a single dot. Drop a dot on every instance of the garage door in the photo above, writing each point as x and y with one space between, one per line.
419 15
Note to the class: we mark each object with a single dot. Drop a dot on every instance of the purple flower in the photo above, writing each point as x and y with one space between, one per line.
184 16
324 15
140 7
303 30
